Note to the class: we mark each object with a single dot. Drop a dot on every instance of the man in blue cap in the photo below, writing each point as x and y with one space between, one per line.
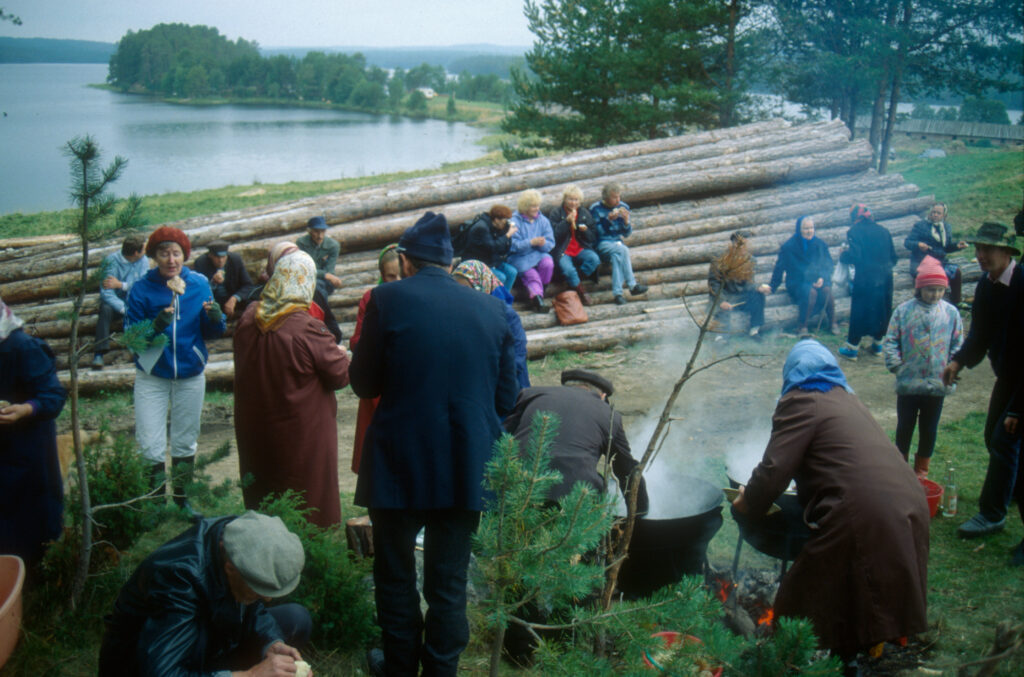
324 252
440 358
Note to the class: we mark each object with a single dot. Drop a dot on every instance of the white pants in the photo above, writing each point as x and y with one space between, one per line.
153 396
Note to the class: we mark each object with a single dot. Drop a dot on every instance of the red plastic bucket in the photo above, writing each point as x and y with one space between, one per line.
933 492
670 639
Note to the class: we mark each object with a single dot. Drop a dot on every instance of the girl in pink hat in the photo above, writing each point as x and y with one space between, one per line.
923 335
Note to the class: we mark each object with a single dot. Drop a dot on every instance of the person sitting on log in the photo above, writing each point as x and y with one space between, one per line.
612 216
228 277
575 238
731 281
324 251
807 266
531 243
933 237
489 240
120 271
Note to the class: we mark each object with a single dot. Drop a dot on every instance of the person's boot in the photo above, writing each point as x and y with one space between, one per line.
181 472
921 466
584 297
157 477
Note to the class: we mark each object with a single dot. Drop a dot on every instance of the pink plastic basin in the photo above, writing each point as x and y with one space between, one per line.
12 577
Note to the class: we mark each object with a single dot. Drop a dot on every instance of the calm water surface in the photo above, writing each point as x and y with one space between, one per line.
183 148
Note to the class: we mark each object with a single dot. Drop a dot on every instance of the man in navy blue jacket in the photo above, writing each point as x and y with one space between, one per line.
440 357
997 329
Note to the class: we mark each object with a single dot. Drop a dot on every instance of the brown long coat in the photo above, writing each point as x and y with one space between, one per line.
862 578
286 412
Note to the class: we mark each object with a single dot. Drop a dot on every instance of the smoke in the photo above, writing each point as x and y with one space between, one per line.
720 425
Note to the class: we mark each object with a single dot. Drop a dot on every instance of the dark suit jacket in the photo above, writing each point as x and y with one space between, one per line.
922 232
440 357
585 426
236 278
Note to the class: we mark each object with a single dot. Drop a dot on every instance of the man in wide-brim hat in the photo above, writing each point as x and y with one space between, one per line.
997 329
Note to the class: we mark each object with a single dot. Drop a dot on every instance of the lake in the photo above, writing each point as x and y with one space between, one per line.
173 147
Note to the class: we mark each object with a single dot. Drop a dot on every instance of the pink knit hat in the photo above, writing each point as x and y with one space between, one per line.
929 273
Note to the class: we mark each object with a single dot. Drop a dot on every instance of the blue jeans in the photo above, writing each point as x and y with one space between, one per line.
1005 476
507 273
409 640
914 409
587 261
617 254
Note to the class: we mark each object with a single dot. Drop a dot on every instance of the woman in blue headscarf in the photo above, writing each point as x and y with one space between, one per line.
862 577
806 265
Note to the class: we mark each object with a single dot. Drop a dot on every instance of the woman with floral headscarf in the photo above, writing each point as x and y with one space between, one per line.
387 266
862 576
287 367
478 276
31 397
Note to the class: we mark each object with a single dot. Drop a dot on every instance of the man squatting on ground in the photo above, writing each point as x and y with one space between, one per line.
196 604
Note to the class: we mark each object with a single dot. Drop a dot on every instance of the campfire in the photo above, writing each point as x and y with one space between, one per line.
747 600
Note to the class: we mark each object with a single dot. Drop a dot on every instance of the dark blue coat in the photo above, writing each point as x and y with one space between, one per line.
922 232
802 266
31 488
440 357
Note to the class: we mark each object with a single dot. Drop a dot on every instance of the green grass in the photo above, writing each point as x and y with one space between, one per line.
978 184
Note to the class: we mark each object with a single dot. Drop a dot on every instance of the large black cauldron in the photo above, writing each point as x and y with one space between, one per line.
663 550
781 535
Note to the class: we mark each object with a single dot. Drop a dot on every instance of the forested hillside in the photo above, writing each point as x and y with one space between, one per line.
182 61
45 50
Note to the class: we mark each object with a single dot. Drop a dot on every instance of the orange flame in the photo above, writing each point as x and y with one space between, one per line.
725 586
766 618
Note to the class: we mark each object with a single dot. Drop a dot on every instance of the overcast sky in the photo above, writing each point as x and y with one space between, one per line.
282 23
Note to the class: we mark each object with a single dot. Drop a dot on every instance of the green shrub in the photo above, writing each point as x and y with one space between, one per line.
334 586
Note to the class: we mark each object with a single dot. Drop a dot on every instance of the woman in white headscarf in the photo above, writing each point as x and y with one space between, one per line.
287 367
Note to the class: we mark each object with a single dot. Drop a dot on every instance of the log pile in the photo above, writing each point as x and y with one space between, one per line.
688 194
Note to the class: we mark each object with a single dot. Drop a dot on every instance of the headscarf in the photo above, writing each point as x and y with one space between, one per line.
811 366
8 321
481 278
289 290
380 258
860 212
804 243
478 275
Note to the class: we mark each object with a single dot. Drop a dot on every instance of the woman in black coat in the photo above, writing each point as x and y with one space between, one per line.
489 239
31 486
869 249
806 265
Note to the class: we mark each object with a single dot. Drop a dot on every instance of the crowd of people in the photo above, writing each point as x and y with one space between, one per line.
438 360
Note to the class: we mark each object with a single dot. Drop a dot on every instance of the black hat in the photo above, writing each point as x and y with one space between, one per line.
219 247
996 235
428 240
584 376
317 223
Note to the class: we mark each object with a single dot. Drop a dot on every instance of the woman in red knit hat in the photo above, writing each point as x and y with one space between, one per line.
169 376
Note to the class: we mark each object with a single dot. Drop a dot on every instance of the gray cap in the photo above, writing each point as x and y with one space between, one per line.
590 378
266 554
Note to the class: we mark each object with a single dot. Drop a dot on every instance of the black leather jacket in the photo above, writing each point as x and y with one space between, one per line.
176 616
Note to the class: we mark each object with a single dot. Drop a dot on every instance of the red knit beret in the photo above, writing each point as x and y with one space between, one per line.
168 234
930 273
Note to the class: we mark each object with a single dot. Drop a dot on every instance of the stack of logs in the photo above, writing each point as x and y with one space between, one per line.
688 194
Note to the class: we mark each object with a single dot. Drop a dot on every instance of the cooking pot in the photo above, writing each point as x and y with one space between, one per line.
781 535
674 542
